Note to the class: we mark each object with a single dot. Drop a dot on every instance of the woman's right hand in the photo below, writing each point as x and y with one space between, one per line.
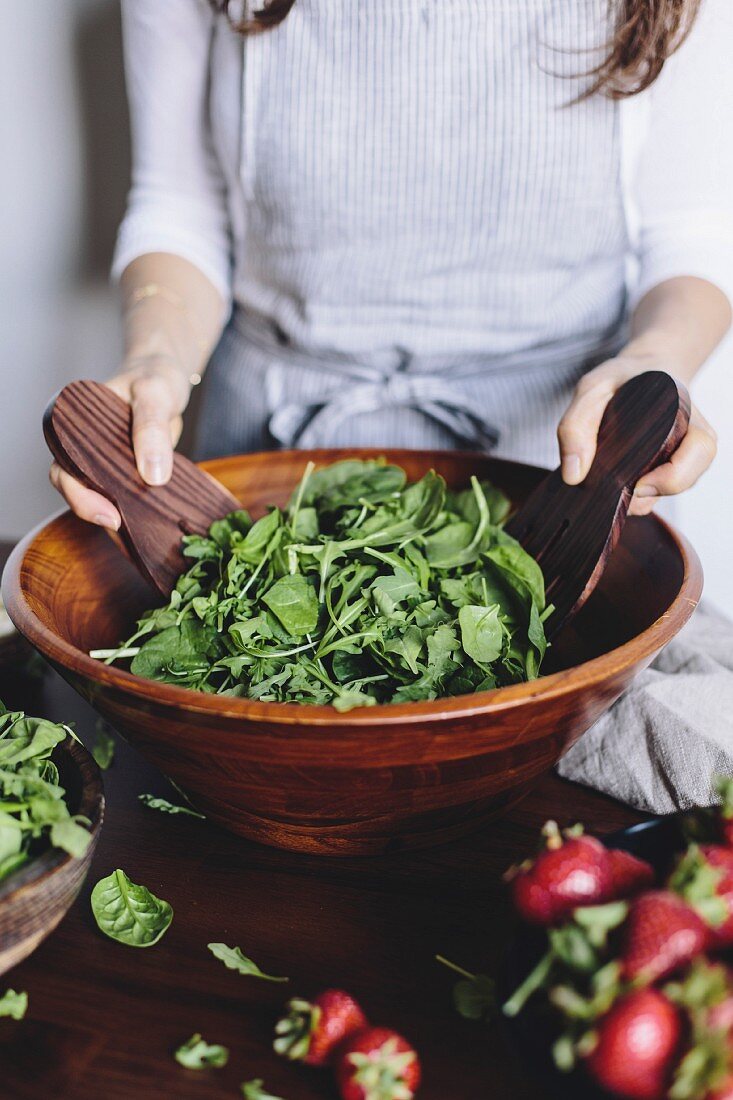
158 391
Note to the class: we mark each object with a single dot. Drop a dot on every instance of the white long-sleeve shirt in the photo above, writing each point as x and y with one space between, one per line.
405 173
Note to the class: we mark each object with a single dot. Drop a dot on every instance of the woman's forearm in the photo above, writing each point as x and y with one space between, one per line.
681 321
170 311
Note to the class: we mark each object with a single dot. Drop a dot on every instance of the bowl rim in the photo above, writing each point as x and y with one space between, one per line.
53 860
552 686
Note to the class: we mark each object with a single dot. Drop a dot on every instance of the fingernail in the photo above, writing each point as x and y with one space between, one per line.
571 469
643 491
107 521
153 469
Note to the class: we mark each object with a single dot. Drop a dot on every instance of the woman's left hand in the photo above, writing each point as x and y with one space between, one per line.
578 431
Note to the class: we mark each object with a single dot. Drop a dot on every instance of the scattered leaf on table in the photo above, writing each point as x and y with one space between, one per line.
255 1090
475 998
129 913
166 807
103 750
13 1004
198 1054
233 959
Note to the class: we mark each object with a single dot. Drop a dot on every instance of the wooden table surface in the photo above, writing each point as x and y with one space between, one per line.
104 1019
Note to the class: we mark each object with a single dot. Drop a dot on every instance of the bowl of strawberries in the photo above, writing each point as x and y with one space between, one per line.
621 980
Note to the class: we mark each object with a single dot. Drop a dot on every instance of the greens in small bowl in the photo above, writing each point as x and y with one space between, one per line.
364 589
51 807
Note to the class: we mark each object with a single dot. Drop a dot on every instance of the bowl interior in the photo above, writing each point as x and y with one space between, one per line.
96 594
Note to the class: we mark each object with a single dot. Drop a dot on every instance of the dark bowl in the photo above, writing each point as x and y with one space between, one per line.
378 778
39 894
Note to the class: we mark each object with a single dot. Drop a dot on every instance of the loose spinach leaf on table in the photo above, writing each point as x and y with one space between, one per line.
13 1004
255 1090
33 809
166 807
365 589
233 959
103 749
198 1054
129 913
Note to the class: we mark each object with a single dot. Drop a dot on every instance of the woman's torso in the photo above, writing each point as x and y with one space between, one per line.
407 174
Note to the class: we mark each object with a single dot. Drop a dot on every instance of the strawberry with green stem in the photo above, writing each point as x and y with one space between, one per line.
635 1045
311 1031
661 934
572 870
704 878
377 1064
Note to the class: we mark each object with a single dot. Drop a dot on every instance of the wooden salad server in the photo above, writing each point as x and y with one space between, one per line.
571 530
88 430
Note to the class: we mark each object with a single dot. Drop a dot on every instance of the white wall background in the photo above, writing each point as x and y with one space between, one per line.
64 142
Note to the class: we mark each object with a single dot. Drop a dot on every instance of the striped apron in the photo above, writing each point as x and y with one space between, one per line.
430 242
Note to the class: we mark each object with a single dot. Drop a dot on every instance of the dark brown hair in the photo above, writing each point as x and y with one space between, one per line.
647 33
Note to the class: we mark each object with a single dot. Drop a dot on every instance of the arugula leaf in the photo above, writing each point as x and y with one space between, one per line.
13 1004
233 959
198 1054
255 1090
364 590
129 913
166 807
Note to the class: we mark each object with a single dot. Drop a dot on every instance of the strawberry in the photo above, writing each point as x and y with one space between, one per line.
636 1044
377 1064
629 875
723 1091
705 992
312 1030
704 878
661 933
573 870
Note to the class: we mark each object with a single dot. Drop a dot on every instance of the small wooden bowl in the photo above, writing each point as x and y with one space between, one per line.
38 896
377 778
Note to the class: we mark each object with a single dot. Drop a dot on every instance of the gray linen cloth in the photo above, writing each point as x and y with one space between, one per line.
661 745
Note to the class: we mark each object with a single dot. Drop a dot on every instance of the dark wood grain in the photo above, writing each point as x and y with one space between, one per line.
572 530
104 1020
37 897
376 779
88 430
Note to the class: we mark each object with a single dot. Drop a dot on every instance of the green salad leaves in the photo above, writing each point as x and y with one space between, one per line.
365 589
234 959
33 812
129 913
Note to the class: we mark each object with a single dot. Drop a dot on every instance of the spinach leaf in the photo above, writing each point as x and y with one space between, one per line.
129 913
482 635
255 1090
295 604
233 959
197 1054
166 807
13 1004
103 749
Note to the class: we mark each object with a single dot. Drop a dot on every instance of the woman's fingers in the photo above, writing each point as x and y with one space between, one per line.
153 410
86 503
691 459
577 432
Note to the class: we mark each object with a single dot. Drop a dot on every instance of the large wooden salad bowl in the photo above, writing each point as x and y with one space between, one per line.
373 779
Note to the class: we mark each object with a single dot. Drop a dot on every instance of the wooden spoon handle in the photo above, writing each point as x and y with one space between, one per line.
88 429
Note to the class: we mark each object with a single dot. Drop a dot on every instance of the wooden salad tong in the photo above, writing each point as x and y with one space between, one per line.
570 529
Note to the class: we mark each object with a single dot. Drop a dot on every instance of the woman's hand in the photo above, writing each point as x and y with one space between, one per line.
578 431
158 390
